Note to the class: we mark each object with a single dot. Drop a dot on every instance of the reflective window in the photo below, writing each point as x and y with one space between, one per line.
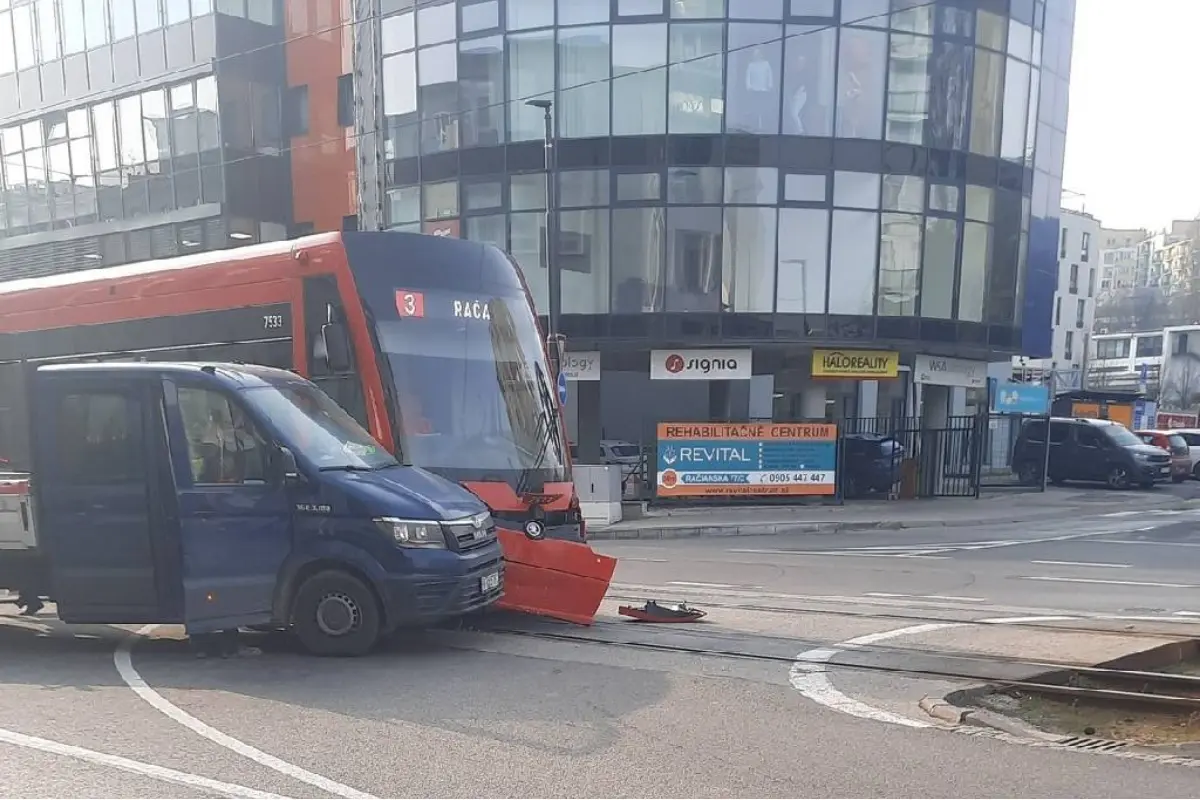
1016 106
481 88
696 76
856 189
491 229
527 234
949 90
908 88
694 185
638 8
1020 42
584 61
914 16
695 9
22 22
753 95
865 12
748 266
435 24
8 58
581 12
124 20
752 186
693 270
177 10
639 86
104 123
527 191
756 9
149 16
440 200
808 93
976 259
803 260
985 102
852 260
804 188
989 30
583 259
937 276
943 197
71 17
481 17
981 202
206 105
955 21
479 196
903 193
437 97
47 18
583 187
530 75
524 14
404 205
636 186
862 61
129 123
899 264
154 125
811 8
400 84
637 265
398 33
1031 116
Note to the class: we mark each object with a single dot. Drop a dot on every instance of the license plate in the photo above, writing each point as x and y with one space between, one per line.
1165 471
490 582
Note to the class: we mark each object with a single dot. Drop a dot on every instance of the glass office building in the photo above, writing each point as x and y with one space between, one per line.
138 129
766 174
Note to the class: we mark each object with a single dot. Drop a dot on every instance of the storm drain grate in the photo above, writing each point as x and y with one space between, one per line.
1086 743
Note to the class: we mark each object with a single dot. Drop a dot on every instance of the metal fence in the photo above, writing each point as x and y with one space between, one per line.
961 457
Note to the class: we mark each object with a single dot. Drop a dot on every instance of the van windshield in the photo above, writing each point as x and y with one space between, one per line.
314 426
1120 436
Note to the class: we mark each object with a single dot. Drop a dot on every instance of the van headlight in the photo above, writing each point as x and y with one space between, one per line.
413 532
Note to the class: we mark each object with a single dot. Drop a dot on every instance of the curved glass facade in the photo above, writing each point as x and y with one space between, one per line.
768 170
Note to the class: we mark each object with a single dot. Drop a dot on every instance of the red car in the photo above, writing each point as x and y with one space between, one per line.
1173 443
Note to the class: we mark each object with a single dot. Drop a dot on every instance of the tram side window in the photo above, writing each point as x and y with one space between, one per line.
223 445
14 425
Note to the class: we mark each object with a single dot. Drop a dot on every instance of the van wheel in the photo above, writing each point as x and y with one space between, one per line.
1196 471
1029 474
335 614
1118 478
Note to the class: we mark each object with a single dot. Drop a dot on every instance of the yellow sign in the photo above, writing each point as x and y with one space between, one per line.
868 364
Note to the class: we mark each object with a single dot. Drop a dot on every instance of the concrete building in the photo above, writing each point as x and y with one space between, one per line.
138 129
1164 363
1074 304
1119 258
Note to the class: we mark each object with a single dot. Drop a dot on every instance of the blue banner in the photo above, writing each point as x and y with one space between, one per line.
1020 398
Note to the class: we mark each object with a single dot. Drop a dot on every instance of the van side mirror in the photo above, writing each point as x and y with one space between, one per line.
337 347
288 468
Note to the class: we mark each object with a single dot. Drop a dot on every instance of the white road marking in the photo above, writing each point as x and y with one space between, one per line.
702 585
1056 579
1122 514
1156 544
809 676
650 560
219 788
1186 613
124 665
1081 564
951 597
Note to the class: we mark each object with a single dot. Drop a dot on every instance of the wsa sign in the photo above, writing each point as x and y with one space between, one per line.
706 459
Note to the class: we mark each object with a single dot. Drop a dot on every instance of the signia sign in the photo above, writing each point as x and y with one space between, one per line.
701 365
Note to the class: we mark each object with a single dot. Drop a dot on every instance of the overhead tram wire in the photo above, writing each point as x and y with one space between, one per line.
500 104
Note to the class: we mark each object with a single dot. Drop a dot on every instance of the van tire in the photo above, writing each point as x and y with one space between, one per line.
1196 471
335 614
1118 477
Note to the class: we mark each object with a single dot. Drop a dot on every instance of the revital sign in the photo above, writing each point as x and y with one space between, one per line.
582 366
868 364
945 371
701 365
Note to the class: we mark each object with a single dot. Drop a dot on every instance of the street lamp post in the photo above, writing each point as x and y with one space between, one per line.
554 277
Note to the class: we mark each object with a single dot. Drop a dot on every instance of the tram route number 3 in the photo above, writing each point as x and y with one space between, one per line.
410 304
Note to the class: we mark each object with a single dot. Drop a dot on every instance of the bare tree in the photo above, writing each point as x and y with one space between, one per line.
1181 383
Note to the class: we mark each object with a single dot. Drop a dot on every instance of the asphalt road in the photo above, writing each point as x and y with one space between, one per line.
471 713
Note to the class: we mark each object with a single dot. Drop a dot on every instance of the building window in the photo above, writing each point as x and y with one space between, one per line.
1080 308
1111 348
1149 346
696 100
345 100
295 110
1062 243
1073 281
584 66
808 93
1069 346
1058 311
753 66
639 86
481 90
1084 246
862 68
1092 282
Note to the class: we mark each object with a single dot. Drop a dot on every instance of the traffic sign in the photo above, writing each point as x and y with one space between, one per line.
562 389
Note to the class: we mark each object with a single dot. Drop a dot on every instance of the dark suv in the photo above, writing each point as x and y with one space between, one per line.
1088 450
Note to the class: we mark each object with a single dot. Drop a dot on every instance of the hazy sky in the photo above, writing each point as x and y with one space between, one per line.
1133 139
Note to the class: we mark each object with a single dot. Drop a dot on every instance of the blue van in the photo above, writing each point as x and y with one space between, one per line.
224 495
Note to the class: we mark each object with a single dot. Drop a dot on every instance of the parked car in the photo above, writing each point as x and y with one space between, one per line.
1192 437
870 463
1088 450
1176 445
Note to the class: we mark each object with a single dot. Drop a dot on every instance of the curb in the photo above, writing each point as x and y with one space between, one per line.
941 709
774 528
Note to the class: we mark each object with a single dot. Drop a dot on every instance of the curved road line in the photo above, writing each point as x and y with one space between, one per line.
124 663
810 677
219 788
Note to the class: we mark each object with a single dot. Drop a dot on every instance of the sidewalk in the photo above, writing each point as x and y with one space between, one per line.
678 523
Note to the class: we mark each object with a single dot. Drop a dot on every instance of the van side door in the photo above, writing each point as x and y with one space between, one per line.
1091 457
234 512
98 442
